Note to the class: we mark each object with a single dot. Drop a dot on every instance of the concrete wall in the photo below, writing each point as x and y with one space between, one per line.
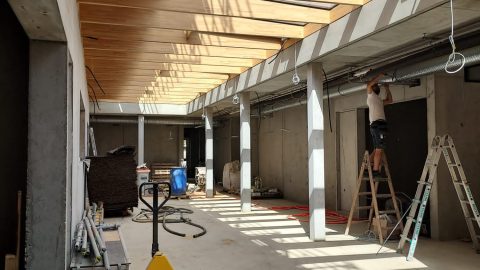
161 141
283 152
456 112
14 47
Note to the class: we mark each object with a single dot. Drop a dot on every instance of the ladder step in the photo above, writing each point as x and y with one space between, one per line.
403 236
424 183
384 195
454 165
460 183
465 201
364 193
364 207
413 219
377 179
387 212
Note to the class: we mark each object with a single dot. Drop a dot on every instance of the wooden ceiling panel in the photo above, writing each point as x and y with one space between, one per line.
112 65
170 51
256 9
167 58
173 48
186 21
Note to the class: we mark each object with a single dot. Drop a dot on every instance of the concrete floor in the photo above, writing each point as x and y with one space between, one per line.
266 239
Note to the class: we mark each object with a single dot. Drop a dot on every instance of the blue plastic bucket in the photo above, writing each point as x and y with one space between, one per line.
178 180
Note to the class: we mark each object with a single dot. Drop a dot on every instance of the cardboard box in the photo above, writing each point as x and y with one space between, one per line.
386 227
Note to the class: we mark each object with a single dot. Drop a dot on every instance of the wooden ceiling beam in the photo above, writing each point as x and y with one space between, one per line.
112 65
148 80
186 74
346 2
256 9
116 84
97 31
173 48
167 58
186 21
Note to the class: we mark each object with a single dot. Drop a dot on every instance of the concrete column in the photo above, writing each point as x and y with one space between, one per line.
49 157
209 189
316 165
141 140
245 161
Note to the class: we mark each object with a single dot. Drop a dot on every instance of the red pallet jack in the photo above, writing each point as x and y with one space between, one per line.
159 260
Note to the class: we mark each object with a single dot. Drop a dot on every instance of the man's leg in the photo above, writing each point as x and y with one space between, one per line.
376 159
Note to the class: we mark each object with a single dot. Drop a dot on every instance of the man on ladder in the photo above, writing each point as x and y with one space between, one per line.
378 121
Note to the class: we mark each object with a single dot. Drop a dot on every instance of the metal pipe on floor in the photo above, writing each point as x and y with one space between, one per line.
93 243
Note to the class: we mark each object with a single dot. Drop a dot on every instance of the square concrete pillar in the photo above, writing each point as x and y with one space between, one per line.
48 204
245 159
141 140
209 187
316 165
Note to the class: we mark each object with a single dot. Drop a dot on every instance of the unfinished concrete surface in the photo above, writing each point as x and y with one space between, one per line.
267 239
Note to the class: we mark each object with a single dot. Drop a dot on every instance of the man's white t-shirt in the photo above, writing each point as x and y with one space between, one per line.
375 106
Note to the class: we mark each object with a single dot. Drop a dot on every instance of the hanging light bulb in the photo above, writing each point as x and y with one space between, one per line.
235 99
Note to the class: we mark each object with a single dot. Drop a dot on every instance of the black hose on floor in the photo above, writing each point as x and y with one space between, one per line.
146 216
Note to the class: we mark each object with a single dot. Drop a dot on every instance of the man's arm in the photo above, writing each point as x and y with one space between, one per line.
388 99
373 82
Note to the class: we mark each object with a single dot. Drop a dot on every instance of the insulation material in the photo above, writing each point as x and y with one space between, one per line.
231 176
112 180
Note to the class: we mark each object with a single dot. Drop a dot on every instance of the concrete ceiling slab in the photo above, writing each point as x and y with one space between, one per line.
40 19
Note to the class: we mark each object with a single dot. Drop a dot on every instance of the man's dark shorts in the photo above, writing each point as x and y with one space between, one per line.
379 130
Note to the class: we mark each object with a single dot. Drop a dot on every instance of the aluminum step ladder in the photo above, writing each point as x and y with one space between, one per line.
440 145
92 141
374 184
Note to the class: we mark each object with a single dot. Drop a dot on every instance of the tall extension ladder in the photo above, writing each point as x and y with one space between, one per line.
440 145
373 207
92 141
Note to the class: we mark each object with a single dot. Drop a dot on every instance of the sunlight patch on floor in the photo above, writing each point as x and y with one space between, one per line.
333 251
393 263
253 218
283 223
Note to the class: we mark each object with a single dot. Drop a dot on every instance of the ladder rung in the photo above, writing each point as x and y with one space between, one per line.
471 218
465 201
460 183
364 193
364 207
376 179
405 237
454 165
387 212
384 195
424 183
413 219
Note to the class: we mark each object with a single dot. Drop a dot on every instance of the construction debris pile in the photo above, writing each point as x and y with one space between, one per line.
89 240
112 180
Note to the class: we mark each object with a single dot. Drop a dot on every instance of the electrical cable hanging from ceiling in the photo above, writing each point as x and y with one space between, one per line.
328 99
279 51
453 56
95 78
95 95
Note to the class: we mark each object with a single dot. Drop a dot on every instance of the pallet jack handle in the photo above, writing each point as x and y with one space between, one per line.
154 207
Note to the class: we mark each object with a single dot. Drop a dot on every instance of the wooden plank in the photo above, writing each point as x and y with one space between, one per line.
346 2
167 58
186 74
113 84
340 11
172 48
150 79
257 9
141 89
186 21
134 33
109 65
229 40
